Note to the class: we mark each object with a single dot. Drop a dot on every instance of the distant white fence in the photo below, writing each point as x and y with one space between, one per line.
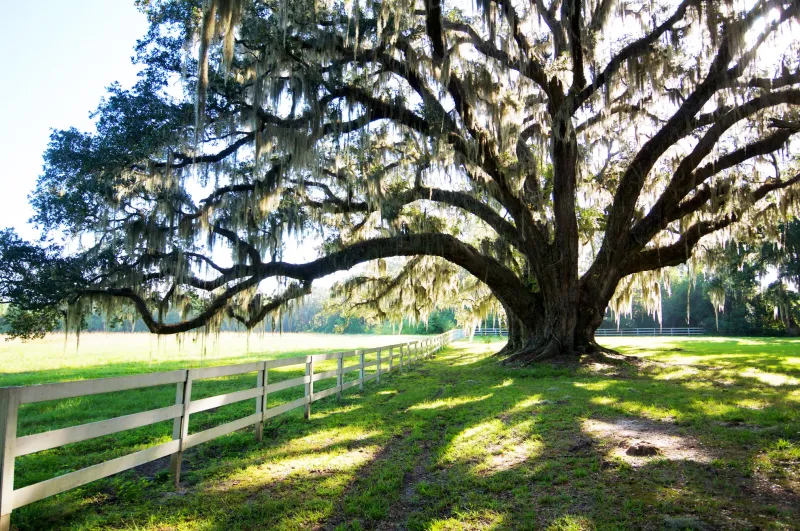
601 332
650 332
11 398
491 331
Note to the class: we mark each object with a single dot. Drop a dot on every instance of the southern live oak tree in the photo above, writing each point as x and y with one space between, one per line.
556 152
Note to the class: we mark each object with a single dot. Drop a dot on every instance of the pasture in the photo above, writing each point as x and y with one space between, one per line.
700 433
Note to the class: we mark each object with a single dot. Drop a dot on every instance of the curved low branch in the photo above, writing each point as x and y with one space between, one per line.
503 282
152 323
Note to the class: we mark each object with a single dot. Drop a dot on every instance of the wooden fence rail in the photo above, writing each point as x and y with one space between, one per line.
604 332
684 331
11 398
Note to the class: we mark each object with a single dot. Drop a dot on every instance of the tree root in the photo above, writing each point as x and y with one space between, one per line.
602 354
535 352
507 350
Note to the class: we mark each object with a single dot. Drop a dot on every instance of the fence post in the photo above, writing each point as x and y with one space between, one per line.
360 369
260 382
391 358
400 348
339 374
379 366
266 394
180 426
309 385
9 406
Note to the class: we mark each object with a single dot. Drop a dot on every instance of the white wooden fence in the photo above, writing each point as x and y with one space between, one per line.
491 331
11 398
600 332
687 331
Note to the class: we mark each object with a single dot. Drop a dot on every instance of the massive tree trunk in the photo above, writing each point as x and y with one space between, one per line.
572 308
566 330
570 316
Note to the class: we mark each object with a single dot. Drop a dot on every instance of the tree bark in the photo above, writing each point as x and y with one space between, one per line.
564 329
572 308
532 340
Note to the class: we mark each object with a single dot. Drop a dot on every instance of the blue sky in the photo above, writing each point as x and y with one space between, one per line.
56 63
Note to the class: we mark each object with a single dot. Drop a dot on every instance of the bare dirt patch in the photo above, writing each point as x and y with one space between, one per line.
643 450
500 459
638 441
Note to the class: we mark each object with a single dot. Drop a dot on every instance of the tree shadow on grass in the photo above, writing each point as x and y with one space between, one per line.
567 481
460 443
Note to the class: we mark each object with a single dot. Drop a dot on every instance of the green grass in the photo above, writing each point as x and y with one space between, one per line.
457 443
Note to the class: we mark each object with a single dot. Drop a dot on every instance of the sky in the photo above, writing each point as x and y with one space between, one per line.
58 58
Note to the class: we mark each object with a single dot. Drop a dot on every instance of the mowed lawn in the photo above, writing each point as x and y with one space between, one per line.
699 434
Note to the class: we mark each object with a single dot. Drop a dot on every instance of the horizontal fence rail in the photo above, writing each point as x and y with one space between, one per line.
491 331
688 331
388 358
600 332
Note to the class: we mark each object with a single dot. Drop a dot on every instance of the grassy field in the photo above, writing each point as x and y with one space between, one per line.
456 443
96 355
